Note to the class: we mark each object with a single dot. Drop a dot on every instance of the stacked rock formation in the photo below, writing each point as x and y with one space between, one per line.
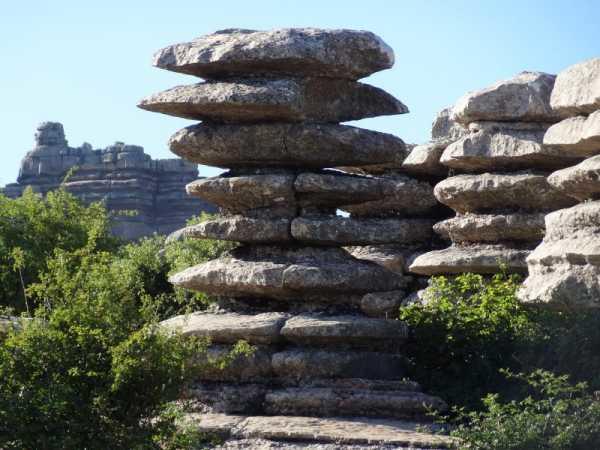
270 112
123 176
564 270
501 193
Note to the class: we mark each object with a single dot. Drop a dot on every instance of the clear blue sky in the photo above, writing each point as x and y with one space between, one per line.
86 64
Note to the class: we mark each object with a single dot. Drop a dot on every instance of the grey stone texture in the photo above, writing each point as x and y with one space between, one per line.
577 89
123 176
578 136
581 181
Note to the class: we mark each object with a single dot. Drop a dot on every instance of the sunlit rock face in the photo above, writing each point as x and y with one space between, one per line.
145 196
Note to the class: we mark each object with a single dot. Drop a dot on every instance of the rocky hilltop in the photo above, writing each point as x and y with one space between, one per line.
122 175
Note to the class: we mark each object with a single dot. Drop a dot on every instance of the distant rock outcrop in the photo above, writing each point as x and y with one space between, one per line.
125 177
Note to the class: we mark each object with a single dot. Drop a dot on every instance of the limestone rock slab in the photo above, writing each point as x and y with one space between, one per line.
292 51
391 256
242 229
363 231
255 367
445 129
425 159
286 145
525 98
493 191
228 328
577 89
483 259
577 136
312 329
284 99
581 181
492 227
382 304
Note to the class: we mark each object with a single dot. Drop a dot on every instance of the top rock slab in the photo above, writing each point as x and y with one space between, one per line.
525 97
290 51
577 89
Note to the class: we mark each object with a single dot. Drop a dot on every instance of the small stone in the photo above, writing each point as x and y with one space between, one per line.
391 256
489 191
316 330
279 100
524 98
577 89
581 181
242 229
503 149
483 259
492 227
382 304
289 51
286 145
576 136
364 231
425 160
228 328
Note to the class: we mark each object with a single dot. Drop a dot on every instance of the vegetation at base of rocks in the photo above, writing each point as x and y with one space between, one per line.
557 415
471 334
92 369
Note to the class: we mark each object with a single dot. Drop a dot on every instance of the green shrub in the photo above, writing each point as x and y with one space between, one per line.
557 416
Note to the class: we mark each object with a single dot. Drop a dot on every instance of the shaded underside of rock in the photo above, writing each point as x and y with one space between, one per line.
525 97
576 136
298 52
242 229
577 89
271 100
293 273
581 181
492 227
503 149
364 231
492 191
483 259
343 330
228 328
286 145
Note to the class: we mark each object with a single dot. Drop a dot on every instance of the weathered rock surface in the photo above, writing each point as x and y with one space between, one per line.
581 181
492 227
425 160
343 432
286 145
565 269
577 89
358 403
495 148
242 229
577 136
365 231
287 274
484 259
264 100
343 330
252 368
525 98
123 176
391 256
491 191
228 328
382 304
445 128
292 51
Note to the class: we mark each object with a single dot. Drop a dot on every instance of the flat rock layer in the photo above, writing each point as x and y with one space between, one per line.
503 149
286 145
524 98
492 227
425 160
581 181
577 89
265 100
384 434
242 229
310 329
364 231
483 259
297 52
228 328
391 256
354 403
490 191
577 136
293 273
